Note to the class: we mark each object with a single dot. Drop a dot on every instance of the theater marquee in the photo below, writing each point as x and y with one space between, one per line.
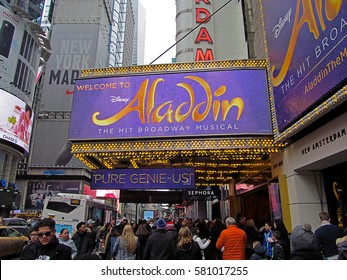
177 104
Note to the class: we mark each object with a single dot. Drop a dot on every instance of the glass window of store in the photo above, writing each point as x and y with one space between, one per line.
3 158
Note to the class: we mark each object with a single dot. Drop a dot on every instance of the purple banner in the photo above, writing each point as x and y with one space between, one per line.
307 51
164 178
227 102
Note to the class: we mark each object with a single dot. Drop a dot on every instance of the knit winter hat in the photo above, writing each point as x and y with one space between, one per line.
160 223
302 238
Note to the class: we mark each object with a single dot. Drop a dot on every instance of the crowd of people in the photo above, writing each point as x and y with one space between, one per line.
185 239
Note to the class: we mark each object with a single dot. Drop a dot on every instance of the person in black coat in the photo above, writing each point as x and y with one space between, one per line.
303 244
82 239
48 246
216 230
285 241
160 245
187 248
142 233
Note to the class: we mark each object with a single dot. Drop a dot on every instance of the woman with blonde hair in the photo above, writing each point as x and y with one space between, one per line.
187 248
127 245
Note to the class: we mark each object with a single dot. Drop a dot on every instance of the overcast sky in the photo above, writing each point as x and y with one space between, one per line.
160 30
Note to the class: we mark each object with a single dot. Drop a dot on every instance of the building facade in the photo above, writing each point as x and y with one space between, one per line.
24 47
309 86
83 34
210 30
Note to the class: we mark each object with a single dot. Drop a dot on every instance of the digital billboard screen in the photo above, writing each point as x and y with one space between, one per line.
200 103
16 119
307 52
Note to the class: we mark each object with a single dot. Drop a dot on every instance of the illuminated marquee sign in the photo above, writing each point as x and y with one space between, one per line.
202 16
200 103
166 178
307 52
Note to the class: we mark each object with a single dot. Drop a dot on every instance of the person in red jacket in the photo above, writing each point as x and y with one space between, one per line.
232 241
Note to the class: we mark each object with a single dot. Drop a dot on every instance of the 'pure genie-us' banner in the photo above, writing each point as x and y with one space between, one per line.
227 102
154 178
307 51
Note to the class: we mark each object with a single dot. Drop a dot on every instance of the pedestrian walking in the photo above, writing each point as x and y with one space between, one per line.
187 248
160 245
303 244
82 239
64 238
127 246
326 235
48 246
233 240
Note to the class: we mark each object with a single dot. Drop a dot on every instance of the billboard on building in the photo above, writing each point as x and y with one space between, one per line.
11 35
73 49
16 119
307 52
199 103
38 190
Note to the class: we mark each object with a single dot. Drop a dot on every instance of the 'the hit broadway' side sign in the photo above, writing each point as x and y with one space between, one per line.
200 103
165 178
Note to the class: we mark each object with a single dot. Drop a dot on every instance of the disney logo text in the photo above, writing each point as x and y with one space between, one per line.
278 27
119 99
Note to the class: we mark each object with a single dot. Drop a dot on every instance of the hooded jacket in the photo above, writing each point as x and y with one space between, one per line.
189 251
51 251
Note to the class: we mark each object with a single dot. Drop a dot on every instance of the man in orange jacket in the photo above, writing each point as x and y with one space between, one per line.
232 241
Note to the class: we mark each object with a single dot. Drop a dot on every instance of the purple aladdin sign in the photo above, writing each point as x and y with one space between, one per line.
307 52
218 102
165 178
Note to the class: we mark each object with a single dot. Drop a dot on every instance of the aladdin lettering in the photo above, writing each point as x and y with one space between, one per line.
304 8
144 103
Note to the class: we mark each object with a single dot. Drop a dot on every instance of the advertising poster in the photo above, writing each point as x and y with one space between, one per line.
148 214
16 119
307 52
275 201
11 34
39 190
73 49
224 102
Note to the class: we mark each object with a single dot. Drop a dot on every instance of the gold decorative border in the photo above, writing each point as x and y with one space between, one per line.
172 145
328 105
217 64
